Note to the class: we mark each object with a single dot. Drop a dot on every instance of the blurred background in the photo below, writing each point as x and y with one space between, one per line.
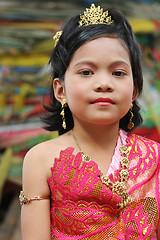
26 40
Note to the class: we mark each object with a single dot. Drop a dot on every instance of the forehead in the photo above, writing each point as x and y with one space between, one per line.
106 48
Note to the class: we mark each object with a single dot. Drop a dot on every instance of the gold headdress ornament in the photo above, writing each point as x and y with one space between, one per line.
93 15
57 36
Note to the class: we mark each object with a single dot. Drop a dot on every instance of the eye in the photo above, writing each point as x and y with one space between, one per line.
86 72
119 73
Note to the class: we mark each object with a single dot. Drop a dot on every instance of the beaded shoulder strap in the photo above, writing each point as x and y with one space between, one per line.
25 199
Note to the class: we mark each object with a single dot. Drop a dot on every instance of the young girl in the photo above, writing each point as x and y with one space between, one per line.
96 180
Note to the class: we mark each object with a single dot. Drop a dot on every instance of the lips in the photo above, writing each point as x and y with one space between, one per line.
103 101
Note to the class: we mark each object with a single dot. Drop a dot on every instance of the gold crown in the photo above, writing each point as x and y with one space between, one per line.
94 15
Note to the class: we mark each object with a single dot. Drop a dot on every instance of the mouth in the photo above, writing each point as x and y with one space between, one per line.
103 101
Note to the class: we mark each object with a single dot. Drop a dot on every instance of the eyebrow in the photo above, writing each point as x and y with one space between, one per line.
85 62
119 62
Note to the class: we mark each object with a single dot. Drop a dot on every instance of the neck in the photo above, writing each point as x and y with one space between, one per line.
93 137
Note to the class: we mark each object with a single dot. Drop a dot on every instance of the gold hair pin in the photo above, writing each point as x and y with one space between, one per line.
57 36
93 15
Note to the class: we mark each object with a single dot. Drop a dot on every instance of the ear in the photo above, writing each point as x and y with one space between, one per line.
135 92
58 88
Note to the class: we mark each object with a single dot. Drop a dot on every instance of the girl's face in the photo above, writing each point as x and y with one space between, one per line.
98 83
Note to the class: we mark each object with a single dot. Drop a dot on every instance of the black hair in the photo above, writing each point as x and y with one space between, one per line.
71 39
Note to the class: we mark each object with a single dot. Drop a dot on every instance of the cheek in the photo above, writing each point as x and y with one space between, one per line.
126 96
75 90
72 94
128 89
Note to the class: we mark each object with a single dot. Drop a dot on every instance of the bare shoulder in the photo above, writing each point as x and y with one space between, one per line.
37 164
46 151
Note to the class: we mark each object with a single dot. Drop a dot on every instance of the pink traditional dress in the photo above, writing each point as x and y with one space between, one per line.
83 207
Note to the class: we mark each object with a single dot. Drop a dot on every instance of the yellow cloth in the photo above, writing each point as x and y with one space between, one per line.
5 163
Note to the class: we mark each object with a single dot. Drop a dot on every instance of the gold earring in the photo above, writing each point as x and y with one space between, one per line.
64 104
131 124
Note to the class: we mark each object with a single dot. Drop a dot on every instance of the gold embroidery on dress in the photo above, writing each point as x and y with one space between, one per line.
119 187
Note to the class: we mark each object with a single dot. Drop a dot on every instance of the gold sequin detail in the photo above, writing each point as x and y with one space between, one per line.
119 187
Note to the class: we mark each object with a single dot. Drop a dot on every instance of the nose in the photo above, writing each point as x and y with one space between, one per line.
104 84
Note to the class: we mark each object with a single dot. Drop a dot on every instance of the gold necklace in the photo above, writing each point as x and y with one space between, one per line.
119 187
